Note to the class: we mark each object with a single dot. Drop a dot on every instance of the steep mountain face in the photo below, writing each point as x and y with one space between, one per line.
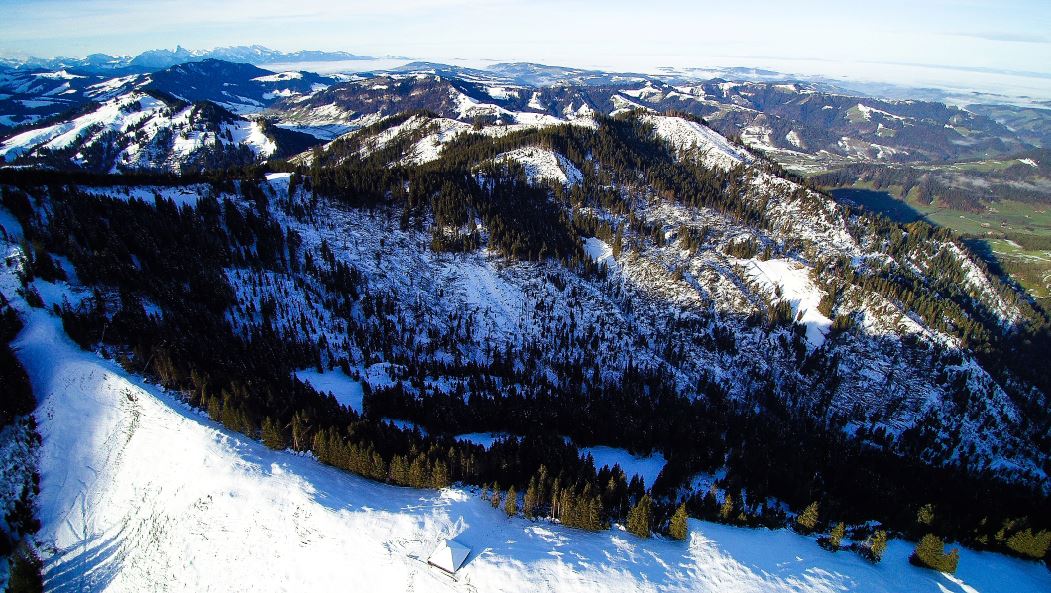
796 124
30 96
565 260
373 98
794 117
559 276
691 260
804 127
684 284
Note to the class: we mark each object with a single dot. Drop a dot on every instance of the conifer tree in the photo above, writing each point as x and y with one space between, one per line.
925 515
930 553
566 506
727 509
511 504
835 538
272 435
592 514
640 517
495 499
419 476
876 545
556 498
300 435
531 499
440 475
1029 544
215 409
399 470
679 528
807 520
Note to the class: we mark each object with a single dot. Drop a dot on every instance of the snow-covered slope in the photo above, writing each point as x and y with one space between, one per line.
140 493
791 281
513 303
543 165
695 140
140 131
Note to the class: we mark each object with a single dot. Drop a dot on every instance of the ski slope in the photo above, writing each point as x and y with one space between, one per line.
141 493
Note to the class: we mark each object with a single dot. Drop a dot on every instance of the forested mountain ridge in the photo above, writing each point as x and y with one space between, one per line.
32 98
717 252
774 117
152 60
807 127
526 264
151 131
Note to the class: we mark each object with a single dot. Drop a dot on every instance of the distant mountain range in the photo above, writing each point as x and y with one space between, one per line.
156 59
806 126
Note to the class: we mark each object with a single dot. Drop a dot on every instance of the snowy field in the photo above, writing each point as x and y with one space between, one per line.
484 439
600 252
347 391
141 493
647 468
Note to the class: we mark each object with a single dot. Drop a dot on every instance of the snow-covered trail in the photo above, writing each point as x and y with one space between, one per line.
141 493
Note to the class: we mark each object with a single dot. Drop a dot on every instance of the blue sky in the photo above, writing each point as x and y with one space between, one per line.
1004 35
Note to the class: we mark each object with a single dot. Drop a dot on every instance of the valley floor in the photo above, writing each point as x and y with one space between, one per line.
141 493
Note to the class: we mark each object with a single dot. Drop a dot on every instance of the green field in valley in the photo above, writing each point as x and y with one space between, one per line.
1014 237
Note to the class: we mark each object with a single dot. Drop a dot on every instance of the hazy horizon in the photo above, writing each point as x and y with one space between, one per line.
1010 35
984 46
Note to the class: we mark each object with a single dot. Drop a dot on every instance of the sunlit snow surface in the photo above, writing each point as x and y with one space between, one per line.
793 282
646 467
141 493
347 391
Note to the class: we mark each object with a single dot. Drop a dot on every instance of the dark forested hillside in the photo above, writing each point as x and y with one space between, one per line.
515 270
570 285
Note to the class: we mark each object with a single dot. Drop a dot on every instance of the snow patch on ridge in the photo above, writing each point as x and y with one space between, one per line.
544 165
279 77
600 252
690 138
793 282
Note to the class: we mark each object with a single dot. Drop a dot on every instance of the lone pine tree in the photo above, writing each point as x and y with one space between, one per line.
678 528
511 503
807 520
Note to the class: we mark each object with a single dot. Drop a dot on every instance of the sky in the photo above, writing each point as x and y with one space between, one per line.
1011 36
